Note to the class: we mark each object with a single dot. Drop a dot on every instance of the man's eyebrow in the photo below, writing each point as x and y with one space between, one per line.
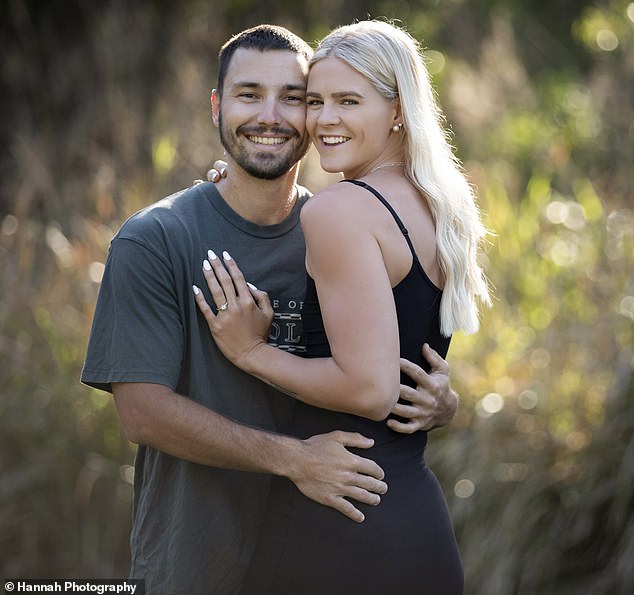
255 85
247 84
291 87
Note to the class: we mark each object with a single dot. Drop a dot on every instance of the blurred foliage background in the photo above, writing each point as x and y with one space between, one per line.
105 109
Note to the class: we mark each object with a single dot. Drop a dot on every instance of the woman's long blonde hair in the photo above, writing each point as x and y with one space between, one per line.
391 60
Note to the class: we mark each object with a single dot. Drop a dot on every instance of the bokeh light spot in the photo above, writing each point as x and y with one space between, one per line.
464 488
528 399
607 40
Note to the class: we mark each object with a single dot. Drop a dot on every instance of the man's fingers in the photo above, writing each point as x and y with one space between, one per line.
416 373
365 495
367 488
372 470
365 466
347 508
422 398
437 363
353 439
406 411
404 427
410 368
362 496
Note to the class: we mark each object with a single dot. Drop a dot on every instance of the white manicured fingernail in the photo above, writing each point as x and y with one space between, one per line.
251 286
211 254
206 265
226 255
195 290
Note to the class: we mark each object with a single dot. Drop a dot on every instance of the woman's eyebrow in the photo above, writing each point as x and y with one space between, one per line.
337 95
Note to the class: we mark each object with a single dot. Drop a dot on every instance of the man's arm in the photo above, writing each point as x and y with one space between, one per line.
433 401
321 467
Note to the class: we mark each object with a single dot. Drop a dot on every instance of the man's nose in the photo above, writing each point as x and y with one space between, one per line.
269 113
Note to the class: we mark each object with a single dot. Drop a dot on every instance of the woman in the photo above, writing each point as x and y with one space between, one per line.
391 261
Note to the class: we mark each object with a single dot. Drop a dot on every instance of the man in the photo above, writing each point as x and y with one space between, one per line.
194 415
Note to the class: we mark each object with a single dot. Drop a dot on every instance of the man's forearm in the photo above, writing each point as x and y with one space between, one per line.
185 429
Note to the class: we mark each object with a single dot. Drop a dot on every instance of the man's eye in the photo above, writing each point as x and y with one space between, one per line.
295 99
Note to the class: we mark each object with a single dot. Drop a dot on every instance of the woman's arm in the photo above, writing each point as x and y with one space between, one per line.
345 260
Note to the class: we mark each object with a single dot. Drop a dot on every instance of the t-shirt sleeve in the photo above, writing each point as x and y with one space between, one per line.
137 330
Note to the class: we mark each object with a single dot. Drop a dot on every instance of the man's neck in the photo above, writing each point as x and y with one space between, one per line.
265 202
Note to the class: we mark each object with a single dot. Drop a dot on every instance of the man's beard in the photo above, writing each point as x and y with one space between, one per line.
262 165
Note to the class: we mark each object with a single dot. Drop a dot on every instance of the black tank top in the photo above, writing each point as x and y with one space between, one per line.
417 302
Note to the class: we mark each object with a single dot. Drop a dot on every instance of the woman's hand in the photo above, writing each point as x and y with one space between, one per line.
243 312
218 171
215 174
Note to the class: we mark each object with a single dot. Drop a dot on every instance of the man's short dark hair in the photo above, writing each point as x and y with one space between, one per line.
262 38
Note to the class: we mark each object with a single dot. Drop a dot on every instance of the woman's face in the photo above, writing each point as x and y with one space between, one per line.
348 120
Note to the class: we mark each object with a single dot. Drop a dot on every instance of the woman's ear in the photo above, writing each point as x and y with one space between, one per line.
397 119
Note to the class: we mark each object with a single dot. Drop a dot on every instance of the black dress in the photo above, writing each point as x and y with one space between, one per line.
406 544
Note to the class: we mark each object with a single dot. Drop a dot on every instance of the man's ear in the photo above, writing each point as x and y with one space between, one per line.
215 106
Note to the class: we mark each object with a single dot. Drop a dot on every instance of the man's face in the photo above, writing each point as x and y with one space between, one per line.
262 113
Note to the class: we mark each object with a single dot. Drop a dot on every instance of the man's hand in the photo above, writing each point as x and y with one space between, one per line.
326 471
433 401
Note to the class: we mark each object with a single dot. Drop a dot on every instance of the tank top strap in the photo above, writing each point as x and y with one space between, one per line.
389 207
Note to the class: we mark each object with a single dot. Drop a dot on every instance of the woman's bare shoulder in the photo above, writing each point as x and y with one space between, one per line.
334 202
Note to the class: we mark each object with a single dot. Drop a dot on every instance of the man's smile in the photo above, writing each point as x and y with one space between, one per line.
267 140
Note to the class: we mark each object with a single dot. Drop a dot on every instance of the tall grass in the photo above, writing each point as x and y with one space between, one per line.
110 113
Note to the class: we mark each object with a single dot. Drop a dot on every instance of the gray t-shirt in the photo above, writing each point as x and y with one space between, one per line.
194 527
